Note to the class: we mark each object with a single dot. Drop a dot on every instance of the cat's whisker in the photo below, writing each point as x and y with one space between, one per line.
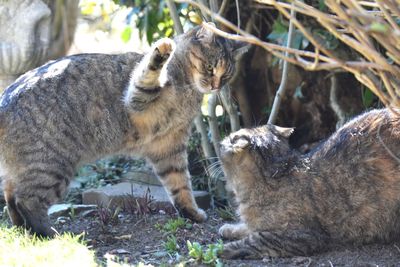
216 170
214 164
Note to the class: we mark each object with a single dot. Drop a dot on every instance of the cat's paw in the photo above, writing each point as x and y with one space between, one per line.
162 50
194 214
226 231
198 216
234 250
233 231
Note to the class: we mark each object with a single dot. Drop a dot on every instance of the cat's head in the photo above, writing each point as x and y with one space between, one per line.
253 153
211 58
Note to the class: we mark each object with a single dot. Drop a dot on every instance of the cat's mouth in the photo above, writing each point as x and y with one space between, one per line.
207 90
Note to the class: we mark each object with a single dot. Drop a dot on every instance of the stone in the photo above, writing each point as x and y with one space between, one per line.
63 210
146 177
31 32
116 195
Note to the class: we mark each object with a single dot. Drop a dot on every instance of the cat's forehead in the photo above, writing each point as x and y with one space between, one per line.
216 49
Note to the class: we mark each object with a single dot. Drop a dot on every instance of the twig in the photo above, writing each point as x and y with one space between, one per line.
205 15
213 123
222 7
214 8
335 103
282 87
350 23
230 107
175 17
238 13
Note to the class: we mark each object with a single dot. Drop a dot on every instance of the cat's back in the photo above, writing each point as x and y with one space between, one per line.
355 175
76 74
368 137
77 97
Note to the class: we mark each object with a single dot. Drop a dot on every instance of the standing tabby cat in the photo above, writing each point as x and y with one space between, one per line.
82 107
347 191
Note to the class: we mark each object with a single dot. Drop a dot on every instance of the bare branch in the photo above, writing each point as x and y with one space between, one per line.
282 87
351 22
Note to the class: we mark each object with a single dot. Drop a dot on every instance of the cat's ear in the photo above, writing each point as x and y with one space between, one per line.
204 34
239 48
281 131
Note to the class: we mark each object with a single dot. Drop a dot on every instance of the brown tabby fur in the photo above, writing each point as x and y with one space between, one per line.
83 107
346 191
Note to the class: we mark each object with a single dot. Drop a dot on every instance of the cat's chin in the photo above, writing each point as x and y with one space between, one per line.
207 91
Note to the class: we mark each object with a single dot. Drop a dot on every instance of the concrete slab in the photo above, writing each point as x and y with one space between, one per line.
65 208
146 177
117 195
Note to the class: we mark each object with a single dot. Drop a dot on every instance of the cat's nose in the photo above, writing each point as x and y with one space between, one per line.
215 84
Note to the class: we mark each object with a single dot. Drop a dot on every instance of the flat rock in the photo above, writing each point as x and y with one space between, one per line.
64 209
116 195
146 177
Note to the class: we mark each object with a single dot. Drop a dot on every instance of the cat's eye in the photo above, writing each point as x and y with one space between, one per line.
209 68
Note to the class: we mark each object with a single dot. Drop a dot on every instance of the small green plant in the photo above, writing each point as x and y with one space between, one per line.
72 213
206 256
172 225
171 244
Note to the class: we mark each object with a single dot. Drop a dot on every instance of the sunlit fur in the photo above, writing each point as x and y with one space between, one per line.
346 191
83 107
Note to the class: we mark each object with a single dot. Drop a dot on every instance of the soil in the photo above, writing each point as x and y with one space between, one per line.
136 239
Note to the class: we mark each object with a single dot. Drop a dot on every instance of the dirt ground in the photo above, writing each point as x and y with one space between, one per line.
139 239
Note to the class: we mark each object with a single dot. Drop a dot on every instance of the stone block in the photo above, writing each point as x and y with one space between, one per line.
146 177
117 195
64 209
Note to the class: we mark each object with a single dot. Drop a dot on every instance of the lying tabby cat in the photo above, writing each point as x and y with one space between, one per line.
83 107
347 191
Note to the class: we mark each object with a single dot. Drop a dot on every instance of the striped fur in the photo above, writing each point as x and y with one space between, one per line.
83 107
346 191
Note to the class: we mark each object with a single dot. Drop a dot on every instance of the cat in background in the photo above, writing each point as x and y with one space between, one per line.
346 191
84 107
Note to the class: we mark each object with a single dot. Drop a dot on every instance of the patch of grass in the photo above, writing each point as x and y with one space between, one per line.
18 248
172 225
207 255
171 245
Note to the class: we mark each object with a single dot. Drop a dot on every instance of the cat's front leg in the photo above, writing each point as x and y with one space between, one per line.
284 243
148 77
171 167
234 231
147 74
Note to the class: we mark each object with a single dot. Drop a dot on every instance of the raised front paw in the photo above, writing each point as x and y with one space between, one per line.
162 50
